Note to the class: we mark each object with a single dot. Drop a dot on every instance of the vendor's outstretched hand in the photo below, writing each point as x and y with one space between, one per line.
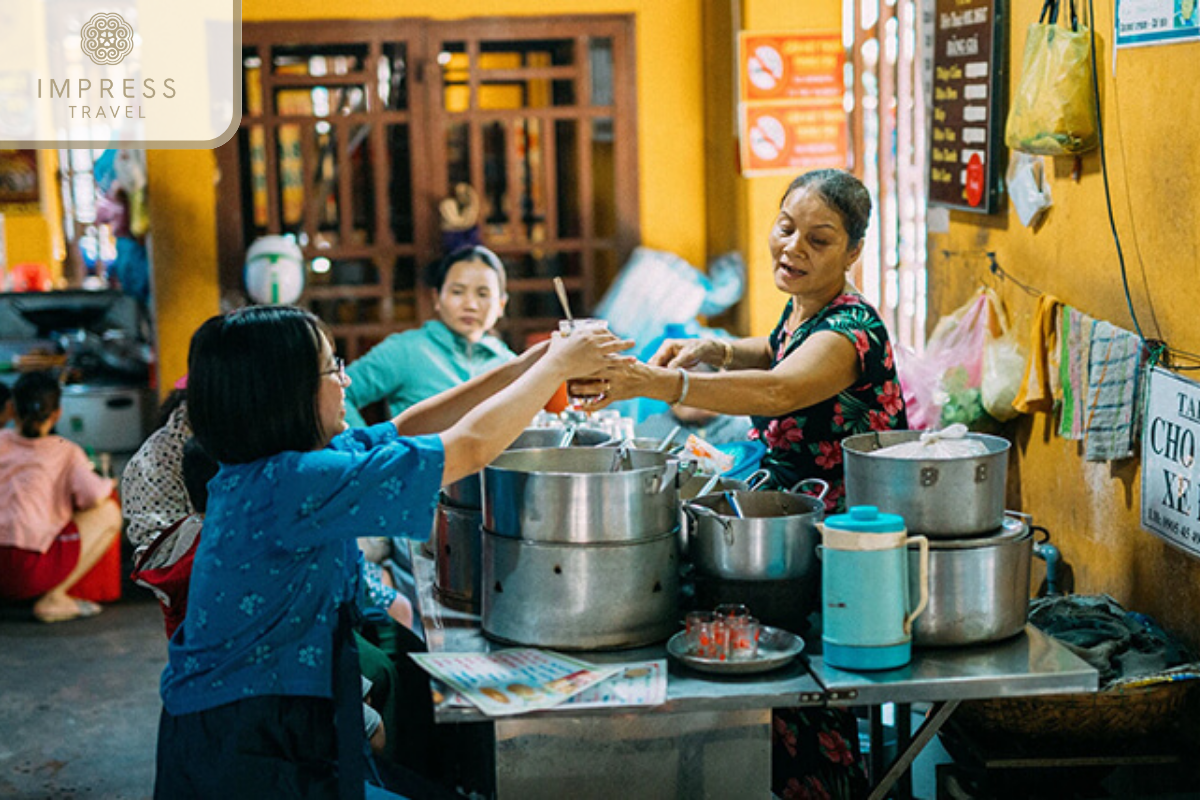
619 381
687 353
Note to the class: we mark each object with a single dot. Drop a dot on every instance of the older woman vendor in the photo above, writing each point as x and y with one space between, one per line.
825 372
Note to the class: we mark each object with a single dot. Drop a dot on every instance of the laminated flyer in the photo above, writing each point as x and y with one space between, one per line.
642 684
514 681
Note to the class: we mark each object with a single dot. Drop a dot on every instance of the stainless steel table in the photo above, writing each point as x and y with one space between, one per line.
712 738
1028 664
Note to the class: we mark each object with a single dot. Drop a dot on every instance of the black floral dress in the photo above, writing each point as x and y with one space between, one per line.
807 443
815 753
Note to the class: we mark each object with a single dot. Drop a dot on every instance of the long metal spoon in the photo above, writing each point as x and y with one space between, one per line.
670 437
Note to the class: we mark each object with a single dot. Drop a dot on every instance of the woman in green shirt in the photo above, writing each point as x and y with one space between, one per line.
406 368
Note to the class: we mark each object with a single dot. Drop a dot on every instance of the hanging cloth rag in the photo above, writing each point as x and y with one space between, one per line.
1114 370
1036 393
1075 339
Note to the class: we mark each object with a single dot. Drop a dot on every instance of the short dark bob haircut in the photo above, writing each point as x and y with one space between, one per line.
252 383
842 192
435 273
36 396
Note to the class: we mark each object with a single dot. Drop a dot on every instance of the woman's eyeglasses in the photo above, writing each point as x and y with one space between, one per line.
338 368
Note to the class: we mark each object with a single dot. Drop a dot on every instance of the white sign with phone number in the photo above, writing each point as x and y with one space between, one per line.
1170 473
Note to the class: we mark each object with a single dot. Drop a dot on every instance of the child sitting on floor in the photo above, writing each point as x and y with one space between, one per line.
57 516
262 692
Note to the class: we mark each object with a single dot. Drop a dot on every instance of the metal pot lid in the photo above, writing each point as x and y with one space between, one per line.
1013 530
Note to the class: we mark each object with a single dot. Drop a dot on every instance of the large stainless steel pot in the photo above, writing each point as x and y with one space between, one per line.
468 492
457 555
938 498
581 495
978 587
580 597
776 537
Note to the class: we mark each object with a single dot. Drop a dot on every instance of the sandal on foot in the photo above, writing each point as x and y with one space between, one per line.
83 609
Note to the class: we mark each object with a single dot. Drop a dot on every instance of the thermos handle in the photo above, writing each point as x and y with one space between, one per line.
923 582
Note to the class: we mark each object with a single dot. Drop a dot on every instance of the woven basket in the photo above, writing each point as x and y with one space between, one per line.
1121 712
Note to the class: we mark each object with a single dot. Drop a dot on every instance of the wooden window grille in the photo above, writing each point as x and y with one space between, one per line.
889 102
353 132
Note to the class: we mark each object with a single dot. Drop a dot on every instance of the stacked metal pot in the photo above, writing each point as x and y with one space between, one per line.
579 548
758 548
979 555
459 519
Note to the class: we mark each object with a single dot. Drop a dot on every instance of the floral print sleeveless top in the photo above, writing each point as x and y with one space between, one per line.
807 443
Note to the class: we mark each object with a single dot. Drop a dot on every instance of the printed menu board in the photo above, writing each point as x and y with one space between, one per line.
966 139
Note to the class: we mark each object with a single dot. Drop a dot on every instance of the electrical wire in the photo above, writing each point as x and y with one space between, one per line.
1156 346
1104 171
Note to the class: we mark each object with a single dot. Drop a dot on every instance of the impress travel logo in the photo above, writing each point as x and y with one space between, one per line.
119 73
106 38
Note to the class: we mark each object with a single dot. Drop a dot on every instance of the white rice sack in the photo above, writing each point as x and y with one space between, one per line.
950 442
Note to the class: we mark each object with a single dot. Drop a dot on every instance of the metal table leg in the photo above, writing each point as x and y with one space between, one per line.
938 714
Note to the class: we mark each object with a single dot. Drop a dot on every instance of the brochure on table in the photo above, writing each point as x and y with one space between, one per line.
518 680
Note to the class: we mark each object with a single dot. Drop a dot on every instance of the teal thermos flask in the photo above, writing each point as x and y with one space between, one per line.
865 603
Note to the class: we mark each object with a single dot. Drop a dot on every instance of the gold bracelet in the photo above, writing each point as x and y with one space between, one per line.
683 391
728 359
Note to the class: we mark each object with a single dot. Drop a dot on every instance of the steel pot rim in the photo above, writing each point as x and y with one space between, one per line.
996 445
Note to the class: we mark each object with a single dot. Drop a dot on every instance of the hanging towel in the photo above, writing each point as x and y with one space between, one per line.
1114 369
1076 340
1036 393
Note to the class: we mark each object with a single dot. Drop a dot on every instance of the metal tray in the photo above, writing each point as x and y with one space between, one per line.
776 647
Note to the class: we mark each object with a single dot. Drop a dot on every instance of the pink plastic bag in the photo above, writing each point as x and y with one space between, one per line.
947 376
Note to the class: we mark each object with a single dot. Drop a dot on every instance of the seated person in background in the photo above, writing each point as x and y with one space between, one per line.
152 489
57 516
6 409
406 368
164 565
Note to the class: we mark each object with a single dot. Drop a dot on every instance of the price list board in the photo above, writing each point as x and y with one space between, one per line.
967 126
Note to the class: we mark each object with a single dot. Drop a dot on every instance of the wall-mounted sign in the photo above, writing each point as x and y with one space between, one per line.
790 114
1144 22
1170 473
967 133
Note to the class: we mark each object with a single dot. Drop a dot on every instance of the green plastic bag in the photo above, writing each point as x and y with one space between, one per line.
1053 110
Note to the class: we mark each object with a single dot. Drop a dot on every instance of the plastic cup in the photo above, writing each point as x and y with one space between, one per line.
743 638
729 611
698 627
583 390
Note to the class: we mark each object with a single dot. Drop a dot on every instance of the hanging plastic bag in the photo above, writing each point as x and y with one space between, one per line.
1003 367
941 386
1027 187
1053 110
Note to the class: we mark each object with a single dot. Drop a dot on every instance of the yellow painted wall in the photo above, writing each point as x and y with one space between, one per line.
763 301
1093 510
182 200
37 237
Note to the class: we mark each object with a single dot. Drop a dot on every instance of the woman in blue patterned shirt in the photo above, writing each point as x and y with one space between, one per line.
249 689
